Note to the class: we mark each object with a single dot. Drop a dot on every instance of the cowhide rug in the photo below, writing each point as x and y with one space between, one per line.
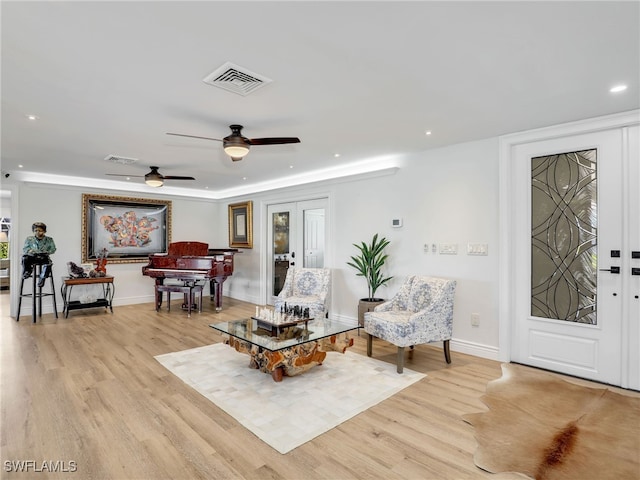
549 429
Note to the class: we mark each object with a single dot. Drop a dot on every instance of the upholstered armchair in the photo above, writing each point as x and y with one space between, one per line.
308 288
421 312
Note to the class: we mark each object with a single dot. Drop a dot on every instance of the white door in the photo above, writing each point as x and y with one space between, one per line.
314 237
572 256
631 329
297 236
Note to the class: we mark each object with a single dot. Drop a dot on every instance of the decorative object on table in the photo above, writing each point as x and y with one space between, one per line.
283 313
421 312
101 261
306 288
130 228
541 426
241 225
278 322
87 298
75 271
369 265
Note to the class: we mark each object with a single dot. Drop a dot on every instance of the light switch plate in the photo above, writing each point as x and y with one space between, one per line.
448 249
477 249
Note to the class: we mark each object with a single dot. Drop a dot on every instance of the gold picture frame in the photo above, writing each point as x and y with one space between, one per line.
130 229
241 225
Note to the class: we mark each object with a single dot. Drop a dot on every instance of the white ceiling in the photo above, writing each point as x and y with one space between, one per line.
362 79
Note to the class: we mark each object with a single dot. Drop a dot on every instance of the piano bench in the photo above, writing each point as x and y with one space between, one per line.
187 290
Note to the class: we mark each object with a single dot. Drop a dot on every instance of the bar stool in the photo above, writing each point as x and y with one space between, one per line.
37 293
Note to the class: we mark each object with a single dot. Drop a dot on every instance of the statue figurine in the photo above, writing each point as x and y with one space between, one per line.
36 251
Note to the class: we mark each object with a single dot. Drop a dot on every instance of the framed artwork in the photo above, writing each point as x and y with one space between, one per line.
129 229
241 225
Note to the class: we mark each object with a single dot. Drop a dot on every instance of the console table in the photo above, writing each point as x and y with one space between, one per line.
108 290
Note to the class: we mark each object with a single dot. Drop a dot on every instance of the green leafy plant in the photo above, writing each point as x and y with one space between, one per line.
369 263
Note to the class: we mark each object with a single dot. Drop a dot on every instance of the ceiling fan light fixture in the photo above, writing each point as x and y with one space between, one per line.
236 151
153 178
154 182
235 146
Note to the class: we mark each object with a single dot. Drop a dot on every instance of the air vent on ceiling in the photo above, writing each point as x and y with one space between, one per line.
120 160
236 79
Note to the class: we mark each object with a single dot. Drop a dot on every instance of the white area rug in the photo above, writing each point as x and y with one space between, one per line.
289 413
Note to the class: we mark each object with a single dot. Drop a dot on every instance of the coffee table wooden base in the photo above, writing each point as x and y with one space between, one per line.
291 361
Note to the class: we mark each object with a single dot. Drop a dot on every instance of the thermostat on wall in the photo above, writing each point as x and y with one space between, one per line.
396 222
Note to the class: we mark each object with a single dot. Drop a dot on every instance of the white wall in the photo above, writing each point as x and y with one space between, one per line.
60 208
449 195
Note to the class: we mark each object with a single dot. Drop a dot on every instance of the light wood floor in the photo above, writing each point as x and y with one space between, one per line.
87 390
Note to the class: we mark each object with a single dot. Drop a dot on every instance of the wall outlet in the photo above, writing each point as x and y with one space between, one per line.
475 319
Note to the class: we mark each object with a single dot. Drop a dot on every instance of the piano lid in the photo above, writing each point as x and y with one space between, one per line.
196 249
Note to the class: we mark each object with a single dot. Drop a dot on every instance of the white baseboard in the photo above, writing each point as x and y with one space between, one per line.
475 349
456 345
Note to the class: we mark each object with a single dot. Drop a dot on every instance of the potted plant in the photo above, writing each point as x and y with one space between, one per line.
369 265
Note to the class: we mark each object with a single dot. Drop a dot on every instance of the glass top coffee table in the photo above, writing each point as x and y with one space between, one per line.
286 350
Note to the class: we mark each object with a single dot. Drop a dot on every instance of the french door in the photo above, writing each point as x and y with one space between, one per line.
297 236
576 236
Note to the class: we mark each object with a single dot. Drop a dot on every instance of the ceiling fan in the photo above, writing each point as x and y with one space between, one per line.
154 178
237 146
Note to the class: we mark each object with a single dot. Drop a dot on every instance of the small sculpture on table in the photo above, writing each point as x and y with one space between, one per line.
101 263
75 271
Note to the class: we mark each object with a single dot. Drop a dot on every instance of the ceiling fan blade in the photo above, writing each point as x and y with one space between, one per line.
193 136
121 175
273 140
173 177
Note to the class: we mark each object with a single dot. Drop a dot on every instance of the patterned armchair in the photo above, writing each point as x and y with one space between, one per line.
306 287
421 312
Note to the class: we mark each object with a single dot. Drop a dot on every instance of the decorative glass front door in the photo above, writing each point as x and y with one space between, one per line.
568 311
564 234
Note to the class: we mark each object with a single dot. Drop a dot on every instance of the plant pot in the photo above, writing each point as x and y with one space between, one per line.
367 305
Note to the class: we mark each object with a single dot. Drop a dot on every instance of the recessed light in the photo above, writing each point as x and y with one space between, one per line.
244 178
20 166
428 132
32 117
618 88
336 155
290 166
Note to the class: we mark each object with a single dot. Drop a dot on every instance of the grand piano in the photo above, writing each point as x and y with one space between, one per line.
192 262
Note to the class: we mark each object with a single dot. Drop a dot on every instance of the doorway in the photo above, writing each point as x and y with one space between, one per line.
297 236
574 225
5 239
